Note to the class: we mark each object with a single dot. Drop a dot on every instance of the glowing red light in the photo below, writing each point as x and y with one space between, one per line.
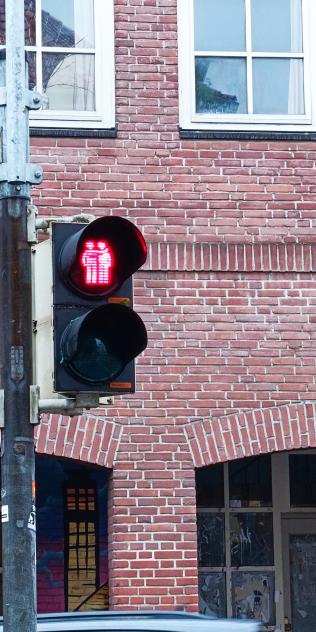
97 260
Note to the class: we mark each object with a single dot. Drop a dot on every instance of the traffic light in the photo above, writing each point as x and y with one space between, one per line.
97 335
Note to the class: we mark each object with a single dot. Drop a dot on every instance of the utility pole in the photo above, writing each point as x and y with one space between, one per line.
17 443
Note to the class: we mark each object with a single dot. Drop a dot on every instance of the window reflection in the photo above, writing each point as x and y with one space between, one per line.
31 60
257 83
29 22
219 25
68 24
68 81
220 85
2 22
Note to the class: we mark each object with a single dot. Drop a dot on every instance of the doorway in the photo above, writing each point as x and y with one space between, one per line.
299 572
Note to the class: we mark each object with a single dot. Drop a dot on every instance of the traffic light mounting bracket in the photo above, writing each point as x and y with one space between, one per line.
64 406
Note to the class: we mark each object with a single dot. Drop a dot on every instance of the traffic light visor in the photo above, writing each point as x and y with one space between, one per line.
98 258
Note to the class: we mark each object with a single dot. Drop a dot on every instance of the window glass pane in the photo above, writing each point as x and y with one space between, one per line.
2 21
220 84
212 594
278 86
209 482
68 81
277 25
68 23
302 480
253 596
250 482
31 59
219 25
211 543
29 22
251 539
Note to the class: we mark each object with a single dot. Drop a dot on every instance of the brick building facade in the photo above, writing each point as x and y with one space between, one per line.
228 296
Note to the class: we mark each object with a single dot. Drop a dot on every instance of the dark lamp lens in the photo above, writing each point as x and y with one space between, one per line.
96 346
93 361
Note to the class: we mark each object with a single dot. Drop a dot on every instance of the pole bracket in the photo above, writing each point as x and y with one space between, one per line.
63 405
19 174
32 100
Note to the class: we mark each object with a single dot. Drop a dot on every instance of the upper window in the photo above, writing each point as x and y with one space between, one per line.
302 469
248 61
70 52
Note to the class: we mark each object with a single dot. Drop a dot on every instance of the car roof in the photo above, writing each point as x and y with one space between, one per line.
135 620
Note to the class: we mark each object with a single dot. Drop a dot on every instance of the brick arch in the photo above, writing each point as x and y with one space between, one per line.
86 438
251 433
96 440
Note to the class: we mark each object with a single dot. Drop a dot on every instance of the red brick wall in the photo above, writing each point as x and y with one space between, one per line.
231 329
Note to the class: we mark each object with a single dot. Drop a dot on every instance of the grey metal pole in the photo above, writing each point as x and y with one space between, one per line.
17 443
18 458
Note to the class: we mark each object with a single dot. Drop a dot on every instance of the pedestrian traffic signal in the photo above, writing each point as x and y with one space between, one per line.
97 335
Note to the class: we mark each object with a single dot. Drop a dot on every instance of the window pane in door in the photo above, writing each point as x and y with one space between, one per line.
220 84
68 81
278 86
277 25
68 23
219 25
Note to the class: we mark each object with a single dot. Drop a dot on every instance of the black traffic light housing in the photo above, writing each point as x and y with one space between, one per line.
97 335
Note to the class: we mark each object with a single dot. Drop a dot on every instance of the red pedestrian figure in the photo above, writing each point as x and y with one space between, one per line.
96 259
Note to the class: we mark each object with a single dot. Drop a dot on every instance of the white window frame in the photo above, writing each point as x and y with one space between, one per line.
189 119
104 115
